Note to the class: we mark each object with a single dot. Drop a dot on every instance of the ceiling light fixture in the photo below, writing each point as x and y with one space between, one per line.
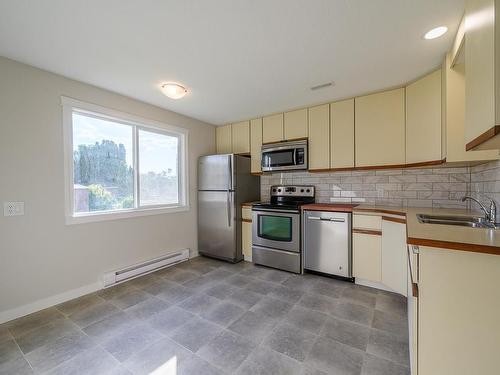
436 32
174 90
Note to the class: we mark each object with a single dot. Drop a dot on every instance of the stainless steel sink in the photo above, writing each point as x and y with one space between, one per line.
464 221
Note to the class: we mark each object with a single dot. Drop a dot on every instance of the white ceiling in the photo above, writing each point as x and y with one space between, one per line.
240 58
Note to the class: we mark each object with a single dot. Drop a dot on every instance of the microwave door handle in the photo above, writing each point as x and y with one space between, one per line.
295 150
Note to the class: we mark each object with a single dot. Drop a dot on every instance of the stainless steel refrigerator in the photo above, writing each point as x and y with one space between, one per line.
224 183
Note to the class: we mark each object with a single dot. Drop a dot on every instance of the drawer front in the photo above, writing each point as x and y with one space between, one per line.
283 260
246 213
367 222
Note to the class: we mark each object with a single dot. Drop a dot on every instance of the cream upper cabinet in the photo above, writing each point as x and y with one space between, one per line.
342 134
256 145
367 256
295 124
223 139
394 256
272 128
423 119
241 137
482 74
380 129
319 137
458 305
454 115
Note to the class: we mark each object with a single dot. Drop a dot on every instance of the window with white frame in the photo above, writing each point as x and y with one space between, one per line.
121 165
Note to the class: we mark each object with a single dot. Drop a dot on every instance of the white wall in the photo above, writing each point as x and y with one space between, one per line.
40 256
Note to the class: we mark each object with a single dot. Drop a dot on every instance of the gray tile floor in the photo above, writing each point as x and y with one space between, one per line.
209 317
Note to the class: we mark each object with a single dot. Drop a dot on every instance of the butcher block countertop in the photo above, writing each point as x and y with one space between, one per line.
481 240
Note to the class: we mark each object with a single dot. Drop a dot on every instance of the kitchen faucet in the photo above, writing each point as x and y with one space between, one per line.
490 216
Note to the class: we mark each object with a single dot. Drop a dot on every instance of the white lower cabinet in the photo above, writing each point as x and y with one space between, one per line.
458 312
367 251
246 233
394 257
379 252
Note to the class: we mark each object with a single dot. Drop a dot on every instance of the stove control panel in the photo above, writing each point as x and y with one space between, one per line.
292 191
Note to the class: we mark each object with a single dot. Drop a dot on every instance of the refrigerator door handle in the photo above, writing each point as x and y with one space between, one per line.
229 186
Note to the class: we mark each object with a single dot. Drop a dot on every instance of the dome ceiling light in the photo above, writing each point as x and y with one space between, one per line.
174 90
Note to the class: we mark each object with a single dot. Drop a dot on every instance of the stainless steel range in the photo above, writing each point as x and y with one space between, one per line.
276 227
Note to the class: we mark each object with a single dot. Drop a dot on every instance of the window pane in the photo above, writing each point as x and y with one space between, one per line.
103 164
158 162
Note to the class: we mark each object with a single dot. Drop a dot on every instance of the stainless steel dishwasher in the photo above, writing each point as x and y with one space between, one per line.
327 242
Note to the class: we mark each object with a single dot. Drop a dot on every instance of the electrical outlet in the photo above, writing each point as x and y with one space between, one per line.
13 208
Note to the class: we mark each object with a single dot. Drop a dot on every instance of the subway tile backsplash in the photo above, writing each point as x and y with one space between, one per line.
485 183
426 187
436 187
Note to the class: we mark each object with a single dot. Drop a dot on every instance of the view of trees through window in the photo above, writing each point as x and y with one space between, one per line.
103 166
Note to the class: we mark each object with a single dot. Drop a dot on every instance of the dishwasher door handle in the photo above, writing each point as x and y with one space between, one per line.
334 219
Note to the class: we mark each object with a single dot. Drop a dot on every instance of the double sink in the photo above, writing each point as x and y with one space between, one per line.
464 221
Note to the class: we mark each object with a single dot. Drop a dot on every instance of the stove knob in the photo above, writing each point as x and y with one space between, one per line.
308 190
274 190
301 190
279 190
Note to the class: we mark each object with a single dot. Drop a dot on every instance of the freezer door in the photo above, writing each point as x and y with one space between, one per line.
216 172
217 232
327 242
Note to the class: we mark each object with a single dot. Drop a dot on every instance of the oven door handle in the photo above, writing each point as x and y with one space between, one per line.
277 211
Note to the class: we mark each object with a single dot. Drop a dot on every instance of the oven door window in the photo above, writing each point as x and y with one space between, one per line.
278 158
275 228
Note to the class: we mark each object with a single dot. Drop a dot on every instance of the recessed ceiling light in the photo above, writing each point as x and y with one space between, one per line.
436 32
174 90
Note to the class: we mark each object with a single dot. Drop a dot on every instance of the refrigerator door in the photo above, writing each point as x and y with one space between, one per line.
217 232
216 172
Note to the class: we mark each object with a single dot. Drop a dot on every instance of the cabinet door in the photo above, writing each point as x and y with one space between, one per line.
423 119
458 305
367 256
223 139
319 137
342 134
480 67
241 137
394 256
454 115
246 240
295 124
256 145
380 129
272 128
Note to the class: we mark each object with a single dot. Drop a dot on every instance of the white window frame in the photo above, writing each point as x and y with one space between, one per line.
70 106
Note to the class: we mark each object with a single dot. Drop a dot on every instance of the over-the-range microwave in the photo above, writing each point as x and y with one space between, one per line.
284 156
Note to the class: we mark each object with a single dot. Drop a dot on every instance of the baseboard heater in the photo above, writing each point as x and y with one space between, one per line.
140 269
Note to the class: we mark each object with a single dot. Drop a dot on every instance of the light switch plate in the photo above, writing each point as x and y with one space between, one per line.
13 208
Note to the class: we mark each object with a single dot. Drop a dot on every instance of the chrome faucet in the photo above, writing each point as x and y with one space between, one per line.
489 215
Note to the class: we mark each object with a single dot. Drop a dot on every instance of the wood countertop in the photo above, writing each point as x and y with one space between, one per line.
248 204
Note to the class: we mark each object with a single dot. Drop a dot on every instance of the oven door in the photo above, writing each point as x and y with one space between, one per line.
284 158
276 229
